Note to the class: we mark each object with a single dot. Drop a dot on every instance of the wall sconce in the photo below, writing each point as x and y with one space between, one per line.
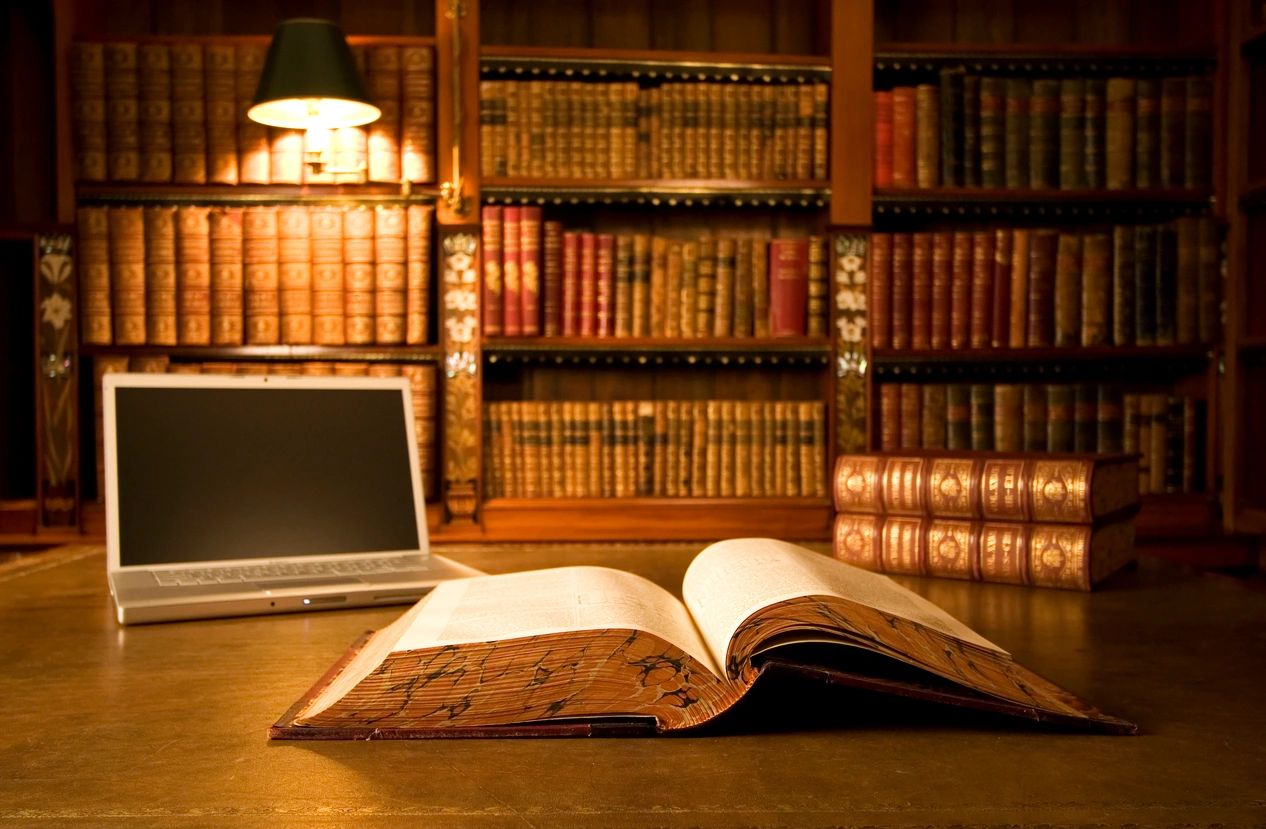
310 82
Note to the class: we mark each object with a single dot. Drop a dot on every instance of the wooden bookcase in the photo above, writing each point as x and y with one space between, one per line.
857 47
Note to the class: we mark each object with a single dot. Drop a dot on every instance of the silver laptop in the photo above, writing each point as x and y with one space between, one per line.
230 495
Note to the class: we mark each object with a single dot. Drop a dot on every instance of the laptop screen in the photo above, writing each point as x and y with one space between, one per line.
206 474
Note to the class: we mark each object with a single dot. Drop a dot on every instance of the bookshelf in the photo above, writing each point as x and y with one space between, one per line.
854 48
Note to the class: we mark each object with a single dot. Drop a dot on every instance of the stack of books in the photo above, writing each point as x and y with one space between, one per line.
1045 520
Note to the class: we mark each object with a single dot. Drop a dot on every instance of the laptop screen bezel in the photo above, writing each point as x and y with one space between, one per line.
116 380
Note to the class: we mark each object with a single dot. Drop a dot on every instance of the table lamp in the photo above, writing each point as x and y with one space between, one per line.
310 82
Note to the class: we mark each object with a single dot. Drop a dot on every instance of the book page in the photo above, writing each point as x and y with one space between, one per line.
514 605
730 580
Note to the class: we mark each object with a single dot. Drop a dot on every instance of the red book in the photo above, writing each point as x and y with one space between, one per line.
588 285
604 307
552 280
942 264
788 286
491 230
903 167
571 284
530 270
902 279
881 290
1000 332
921 293
883 139
982 257
960 289
512 288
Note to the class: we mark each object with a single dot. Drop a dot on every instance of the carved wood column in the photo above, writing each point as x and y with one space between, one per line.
849 270
57 489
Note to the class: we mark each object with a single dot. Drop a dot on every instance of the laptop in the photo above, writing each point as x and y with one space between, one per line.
235 495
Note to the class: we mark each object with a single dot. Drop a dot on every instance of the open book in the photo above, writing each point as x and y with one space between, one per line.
588 650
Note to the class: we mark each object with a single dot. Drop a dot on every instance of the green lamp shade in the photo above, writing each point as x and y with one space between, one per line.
310 80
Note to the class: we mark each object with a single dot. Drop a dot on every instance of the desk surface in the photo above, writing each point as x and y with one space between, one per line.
166 724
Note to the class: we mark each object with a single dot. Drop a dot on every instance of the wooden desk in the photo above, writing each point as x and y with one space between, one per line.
165 724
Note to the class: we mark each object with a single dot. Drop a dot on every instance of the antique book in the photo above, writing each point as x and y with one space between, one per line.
1095 116
1123 285
920 291
389 274
971 131
122 98
1119 134
881 290
154 85
1044 134
1043 255
1085 417
1034 415
902 289
587 315
960 289
127 274
188 114
1096 263
604 284
261 275
597 651
1173 130
723 318
552 279
911 432
1060 399
1068 279
1068 556
491 230
418 273
951 126
328 307
1147 132
570 301
1018 296
160 275
1187 280
883 138
1145 284
706 284
788 286
530 270
383 81
294 249
942 280
1198 133
890 416
1016 155
1072 131
88 87
252 138
642 293
1000 328
993 95
958 416
927 132
1008 417
982 416
982 293
1166 284
417 154
623 281
933 416
1005 486
903 137
225 227
193 275
511 283
220 84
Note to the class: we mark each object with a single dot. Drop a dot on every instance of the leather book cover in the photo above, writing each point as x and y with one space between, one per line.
911 427
950 120
1173 443
1198 134
982 417
359 277
1072 133
902 288
1209 263
88 110
689 289
993 131
1110 417
530 268
1194 422
958 416
252 137
1145 241
883 127
572 291
1173 131
1159 442
726 449
1187 280
802 167
261 275
1016 155
389 274
960 289
122 101
328 310
817 306
1085 417
418 273
980 333
1119 139
927 133
971 131
552 280
821 129
1096 297
1044 134
160 275
1008 408
933 420
1059 417
622 301
744 290
1147 133
383 83
511 284
1166 284
417 152
1123 285
706 285
642 284
723 319
788 286
1096 128
604 285
942 279
226 276
673 301
1000 329
193 275
890 416
1035 417
1068 278
1043 255
188 114
1018 296
294 274
1146 404
657 321
154 116
903 137
761 321
921 291
127 274
881 290
221 110
285 156
491 230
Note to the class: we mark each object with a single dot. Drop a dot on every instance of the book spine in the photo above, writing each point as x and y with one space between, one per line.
817 305
673 266
960 289
706 286
1110 418
261 276
1095 176
921 291
1008 418
1016 126
902 289
982 417
383 80
1147 133
1166 285
1000 329
1059 417
958 431
890 416
1095 283
927 130
252 137
193 253
1044 134
942 279
1123 285
951 127
511 273
760 288
221 112
1068 279
328 310
1085 425
622 300
1018 297
188 114
552 280
359 275
127 274
971 131
1043 257
1072 133
604 279
788 286
88 86
571 302
417 119
723 320
154 117
881 250
933 431
1173 127
225 227
417 273
903 137
1145 241
689 288
1120 137
389 274
122 99
911 427
1198 135
160 275
883 138
530 268
744 299
993 130
980 334
1035 418
1187 280
642 284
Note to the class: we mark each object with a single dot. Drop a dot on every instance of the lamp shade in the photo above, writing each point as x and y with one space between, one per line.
310 80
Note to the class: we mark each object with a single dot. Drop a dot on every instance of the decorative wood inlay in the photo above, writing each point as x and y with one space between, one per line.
460 324
850 341
56 416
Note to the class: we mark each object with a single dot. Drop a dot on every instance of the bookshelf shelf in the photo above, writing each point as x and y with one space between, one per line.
1049 204
252 193
655 192
578 63
1081 58
657 351
280 353
1035 363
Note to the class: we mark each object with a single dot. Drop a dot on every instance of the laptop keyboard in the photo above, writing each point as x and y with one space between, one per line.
269 572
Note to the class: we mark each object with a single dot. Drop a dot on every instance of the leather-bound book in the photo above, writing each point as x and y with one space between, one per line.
123 159
942 279
760 288
1173 443
706 285
1144 448
1045 130
227 313
657 319
285 160
1070 557
1096 296
1130 423
817 306
390 227
1198 135
260 275
911 427
1068 278
1096 128
1187 279
881 250
673 265
821 130
1145 284
726 447
933 416
552 279
252 137
980 334
960 289
530 268
591 292
511 284
349 150
1016 156
1173 129
971 131
491 228
883 138
993 131
1160 443
743 289
221 111
417 120
1119 138
188 114
384 87
570 310
902 289
642 283
1193 448
1166 284
1008 433
328 308
927 133
622 301
154 117
1000 327
193 275
903 137
1147 128
890 416
160 275
294 247
1043 256
1123 285
1085 417
921 291
1065 489
604 280
358 275
88 108
1072 133
417 273
1018 298
1059 417
723 319
982 416
1110 419
1209 262
712 464
127 274
1034 414
802 168
958 416
950 121
788 286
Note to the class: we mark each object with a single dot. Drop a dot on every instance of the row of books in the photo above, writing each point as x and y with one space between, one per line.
1066 133
623 129
1151 284
664 448
176 112
259 275
543 280
1168 431
422 380
1042 520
